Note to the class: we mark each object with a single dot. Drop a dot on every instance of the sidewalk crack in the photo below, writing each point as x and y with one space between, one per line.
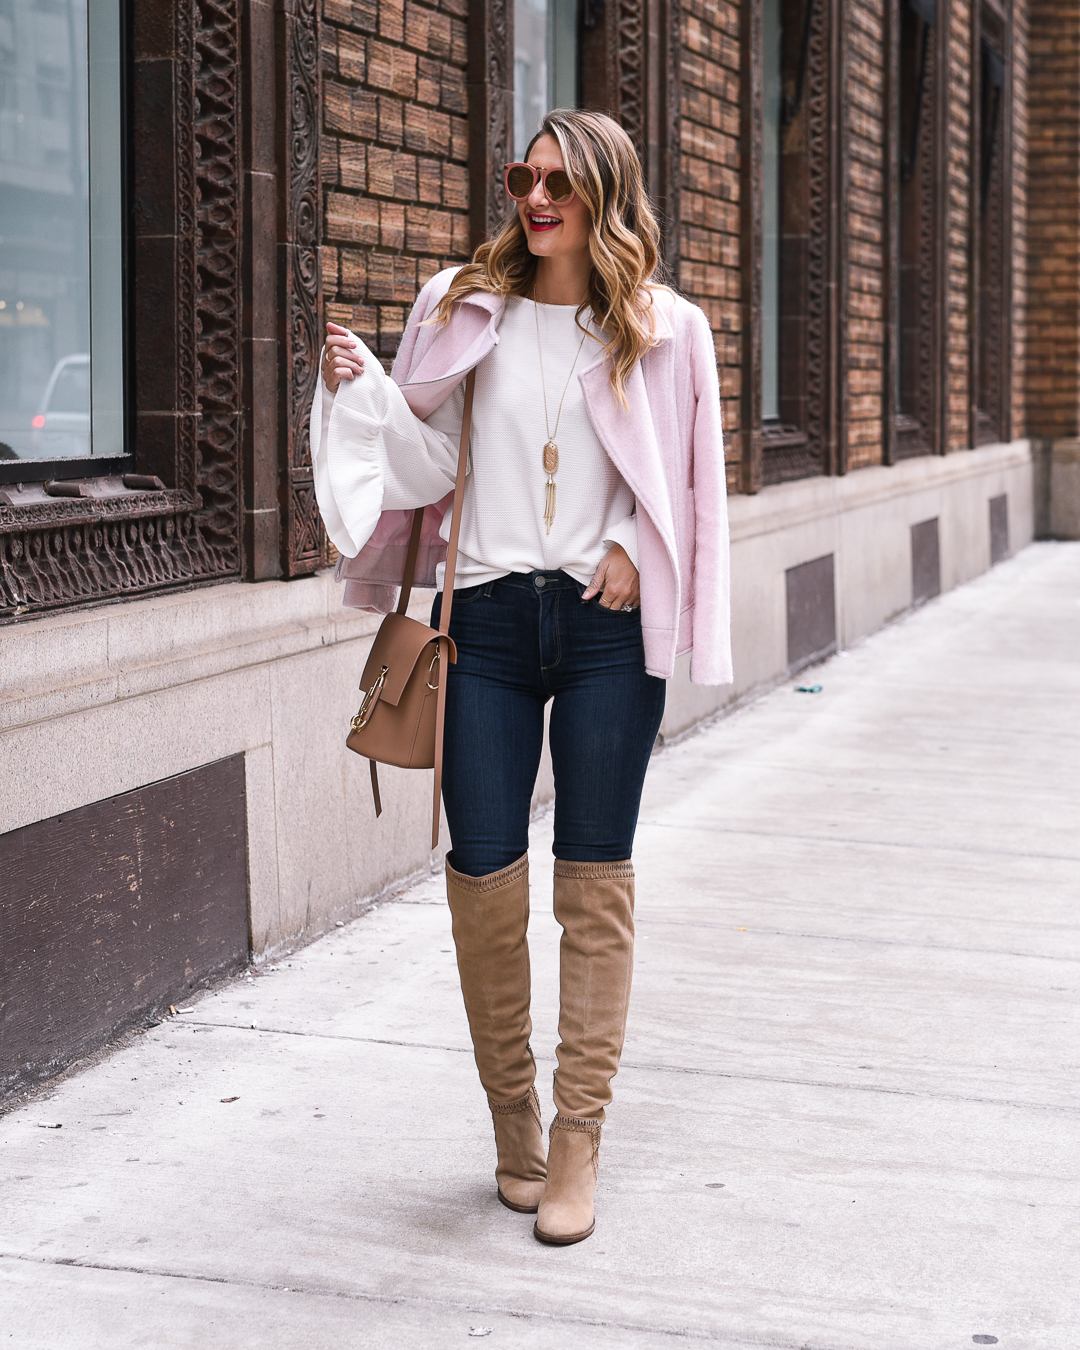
411 1300
677 1068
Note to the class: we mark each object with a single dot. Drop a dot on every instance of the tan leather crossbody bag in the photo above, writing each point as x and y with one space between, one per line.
400 719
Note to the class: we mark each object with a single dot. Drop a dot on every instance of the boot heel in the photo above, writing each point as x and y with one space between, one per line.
518 1209
519 1142
566 1210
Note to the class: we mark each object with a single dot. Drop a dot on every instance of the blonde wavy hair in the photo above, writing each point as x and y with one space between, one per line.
605 172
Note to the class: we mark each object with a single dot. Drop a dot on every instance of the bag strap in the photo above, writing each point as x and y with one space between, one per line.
459 495
418 519
448 600
449 577
410 560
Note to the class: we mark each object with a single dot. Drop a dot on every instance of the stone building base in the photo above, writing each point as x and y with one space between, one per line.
868 524
255 683
1057 487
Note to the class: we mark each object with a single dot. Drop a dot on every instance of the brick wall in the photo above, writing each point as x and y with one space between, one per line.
864 80
1019 152
1052 365
394 158
709 234
956 349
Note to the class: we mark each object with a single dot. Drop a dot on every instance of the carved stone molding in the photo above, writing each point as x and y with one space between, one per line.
925 384
805 438
184 314
751 159
57 555
298 157
630 69
217 274
630 72
991 197
808 374
817 271
187 244
917 375
490 86
670 113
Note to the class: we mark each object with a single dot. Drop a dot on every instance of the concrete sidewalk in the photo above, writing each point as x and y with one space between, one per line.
848 1115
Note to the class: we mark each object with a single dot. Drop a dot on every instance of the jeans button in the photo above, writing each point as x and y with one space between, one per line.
540 582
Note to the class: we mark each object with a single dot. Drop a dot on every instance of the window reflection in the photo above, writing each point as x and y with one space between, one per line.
545 64
47 115
530 70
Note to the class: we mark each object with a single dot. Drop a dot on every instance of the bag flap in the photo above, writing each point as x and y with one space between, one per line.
399 644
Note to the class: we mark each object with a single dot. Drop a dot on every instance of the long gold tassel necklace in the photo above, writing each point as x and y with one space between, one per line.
551 450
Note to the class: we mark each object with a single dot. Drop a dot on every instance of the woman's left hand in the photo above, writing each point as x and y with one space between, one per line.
616 581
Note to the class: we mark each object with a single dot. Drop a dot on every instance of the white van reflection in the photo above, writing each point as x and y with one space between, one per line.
62 424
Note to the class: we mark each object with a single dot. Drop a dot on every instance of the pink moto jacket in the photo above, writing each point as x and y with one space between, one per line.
667 444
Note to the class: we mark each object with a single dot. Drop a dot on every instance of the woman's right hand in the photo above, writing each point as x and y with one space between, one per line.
341 360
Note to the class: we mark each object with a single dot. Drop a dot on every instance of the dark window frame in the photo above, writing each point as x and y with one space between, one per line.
225 325
490 86
916 223
14 472
628 56
68 468
991 223
807 439
177 522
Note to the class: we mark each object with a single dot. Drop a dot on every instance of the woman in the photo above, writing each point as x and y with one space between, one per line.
593 551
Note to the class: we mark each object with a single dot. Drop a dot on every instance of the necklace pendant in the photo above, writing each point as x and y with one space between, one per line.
551 457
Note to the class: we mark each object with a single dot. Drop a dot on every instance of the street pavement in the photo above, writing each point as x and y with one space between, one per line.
848 1115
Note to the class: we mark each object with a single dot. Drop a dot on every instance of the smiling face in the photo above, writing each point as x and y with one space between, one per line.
553 230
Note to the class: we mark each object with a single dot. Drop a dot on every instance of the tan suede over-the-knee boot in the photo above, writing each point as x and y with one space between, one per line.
490 922
594 903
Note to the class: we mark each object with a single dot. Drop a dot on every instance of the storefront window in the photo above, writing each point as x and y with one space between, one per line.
545 64
61 347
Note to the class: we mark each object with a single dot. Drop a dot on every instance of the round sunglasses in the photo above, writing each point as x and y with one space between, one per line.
520 179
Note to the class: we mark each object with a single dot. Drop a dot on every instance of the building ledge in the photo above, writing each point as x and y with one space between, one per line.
63 663
786 505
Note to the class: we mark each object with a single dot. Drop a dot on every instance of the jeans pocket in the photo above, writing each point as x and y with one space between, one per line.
634 613
468 594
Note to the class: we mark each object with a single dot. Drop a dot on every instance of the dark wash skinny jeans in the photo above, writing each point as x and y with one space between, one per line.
521 640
